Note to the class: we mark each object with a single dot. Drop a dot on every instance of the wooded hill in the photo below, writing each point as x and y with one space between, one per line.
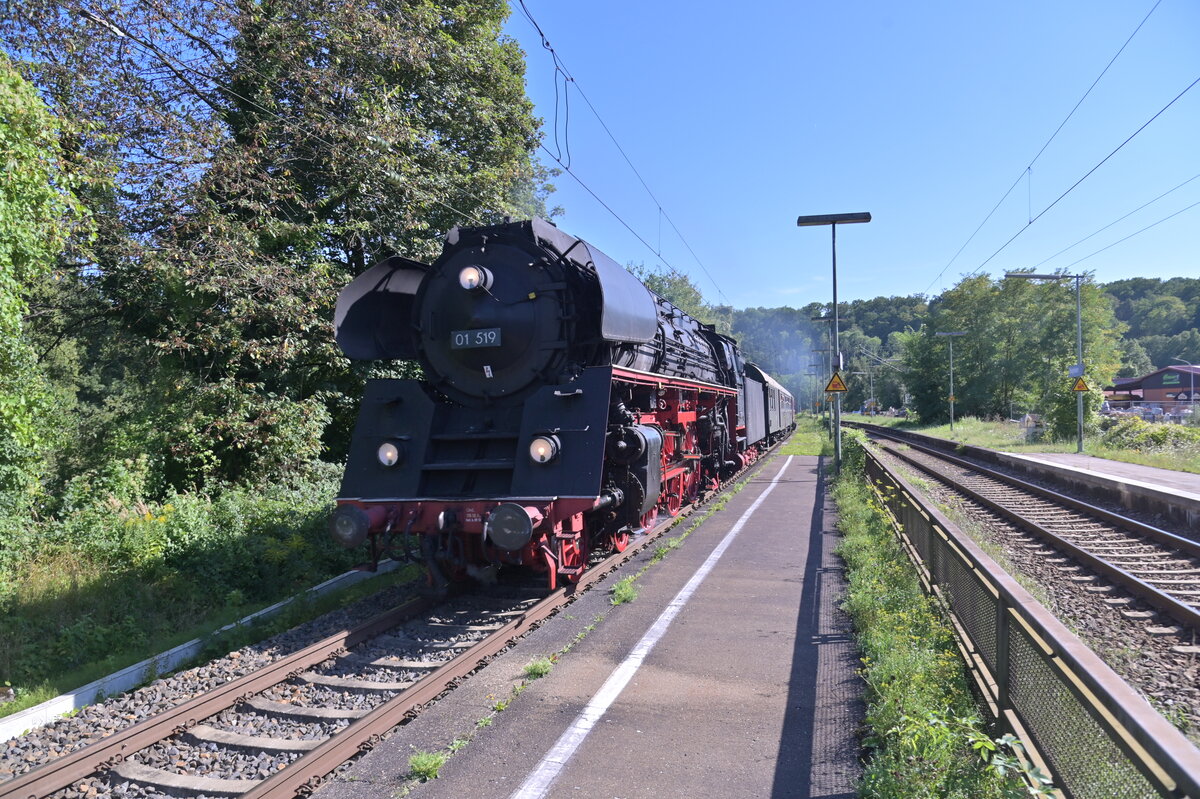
1019 342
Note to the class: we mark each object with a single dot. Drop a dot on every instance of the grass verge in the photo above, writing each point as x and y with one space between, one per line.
811 437
1132 441
924 737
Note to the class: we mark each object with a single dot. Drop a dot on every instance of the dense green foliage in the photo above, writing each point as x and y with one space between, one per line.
171 397
1136 434
265 154
1163 318
137 571
924 737
36 210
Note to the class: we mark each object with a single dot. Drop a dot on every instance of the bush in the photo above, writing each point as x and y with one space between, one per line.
116 571
1132 433
854 455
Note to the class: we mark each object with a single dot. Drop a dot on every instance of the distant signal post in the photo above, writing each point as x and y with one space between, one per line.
951 339
833 220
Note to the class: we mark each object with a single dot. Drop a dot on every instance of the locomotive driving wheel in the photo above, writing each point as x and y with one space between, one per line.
674 496
618 541
650 519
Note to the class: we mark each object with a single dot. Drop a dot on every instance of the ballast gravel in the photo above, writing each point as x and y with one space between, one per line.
37 747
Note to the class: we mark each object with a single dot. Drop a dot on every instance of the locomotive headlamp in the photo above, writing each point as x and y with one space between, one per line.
388 454
544 449
475 277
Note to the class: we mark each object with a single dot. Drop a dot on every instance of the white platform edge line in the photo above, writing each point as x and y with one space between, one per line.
1110 477
539 781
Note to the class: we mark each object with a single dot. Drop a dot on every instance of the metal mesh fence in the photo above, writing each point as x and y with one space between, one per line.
1071 720
974 606
1065 730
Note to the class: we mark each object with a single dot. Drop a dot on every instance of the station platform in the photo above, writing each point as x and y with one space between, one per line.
1184 483
732 674
1173 498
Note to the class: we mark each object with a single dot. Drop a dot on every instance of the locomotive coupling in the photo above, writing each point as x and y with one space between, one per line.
510 526
349 525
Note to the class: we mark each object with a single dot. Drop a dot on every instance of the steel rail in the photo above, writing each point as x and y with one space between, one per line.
101 755
305 775
302 776
1147 592
1185 545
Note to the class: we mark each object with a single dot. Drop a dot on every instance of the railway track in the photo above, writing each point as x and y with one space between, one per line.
279 730
1110 553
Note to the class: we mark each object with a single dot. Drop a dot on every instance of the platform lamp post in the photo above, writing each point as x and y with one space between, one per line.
1077 369
833 220
1192 388
828 361
956 333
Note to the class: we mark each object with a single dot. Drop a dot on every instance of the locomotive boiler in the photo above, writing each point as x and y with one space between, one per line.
563 406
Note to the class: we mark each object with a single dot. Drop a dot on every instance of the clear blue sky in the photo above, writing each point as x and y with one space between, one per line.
740 117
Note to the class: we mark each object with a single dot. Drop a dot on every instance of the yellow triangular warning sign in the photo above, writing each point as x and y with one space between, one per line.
835 383
1080 385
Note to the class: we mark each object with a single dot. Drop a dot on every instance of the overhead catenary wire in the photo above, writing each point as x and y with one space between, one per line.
1135 233
608 208
1027 172
1115 221
1088 174
569 81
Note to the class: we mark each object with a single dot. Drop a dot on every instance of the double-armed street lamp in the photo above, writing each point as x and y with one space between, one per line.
951 335
833 220
1077 369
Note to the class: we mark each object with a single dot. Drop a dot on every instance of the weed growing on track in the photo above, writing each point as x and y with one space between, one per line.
924 738
538 668
624 590
425 766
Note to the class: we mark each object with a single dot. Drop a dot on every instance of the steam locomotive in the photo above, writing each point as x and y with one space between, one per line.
564 407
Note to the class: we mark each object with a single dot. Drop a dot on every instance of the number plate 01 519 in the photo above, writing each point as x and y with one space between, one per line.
469 339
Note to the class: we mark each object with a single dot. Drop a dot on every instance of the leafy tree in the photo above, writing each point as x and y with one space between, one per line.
677 288
1135 361
1018 346
1160 315
266 153
36 214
